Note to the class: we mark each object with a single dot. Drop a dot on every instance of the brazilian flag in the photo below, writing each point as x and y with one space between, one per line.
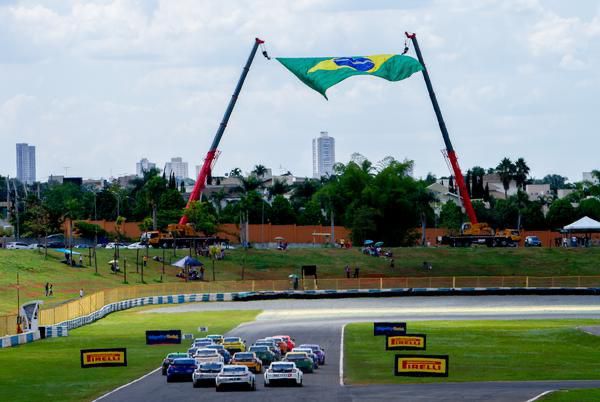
320 73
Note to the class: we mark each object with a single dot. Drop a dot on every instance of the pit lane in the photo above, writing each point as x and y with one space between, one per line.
320 321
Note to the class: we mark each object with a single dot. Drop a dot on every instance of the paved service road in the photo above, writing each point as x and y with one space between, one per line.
321 321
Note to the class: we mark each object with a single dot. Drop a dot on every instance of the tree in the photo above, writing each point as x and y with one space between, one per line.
363 224
533 217
259 171
153 190
556 181
521 173
203 217
589 207
422 199
561 213
451 216
506 170
235 172
310 214
282 212
278 188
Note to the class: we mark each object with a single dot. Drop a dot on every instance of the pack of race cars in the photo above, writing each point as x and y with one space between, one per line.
227 362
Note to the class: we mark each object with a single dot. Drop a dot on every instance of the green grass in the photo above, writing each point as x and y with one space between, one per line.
575 395
482 351
50 369
35 271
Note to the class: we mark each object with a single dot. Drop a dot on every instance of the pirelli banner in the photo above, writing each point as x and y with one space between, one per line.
421 365
103 357
163 337
406 342
389 328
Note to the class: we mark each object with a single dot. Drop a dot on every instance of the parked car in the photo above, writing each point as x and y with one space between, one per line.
136 246
15 245
113 245
533 241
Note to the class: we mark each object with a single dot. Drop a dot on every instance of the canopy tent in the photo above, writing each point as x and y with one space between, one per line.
187 261
583 225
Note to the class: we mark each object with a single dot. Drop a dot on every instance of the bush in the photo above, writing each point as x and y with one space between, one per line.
89 230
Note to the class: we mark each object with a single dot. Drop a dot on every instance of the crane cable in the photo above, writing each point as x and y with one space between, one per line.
264 51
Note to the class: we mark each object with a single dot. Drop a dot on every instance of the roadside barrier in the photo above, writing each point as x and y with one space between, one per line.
88 305
15 340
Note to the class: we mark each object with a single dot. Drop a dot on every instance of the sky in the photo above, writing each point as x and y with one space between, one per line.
97 85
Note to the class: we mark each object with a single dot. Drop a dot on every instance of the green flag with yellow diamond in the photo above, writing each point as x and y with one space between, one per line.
320 73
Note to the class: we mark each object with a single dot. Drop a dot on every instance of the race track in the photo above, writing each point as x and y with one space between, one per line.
321 321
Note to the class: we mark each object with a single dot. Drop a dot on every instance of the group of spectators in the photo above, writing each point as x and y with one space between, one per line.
193 274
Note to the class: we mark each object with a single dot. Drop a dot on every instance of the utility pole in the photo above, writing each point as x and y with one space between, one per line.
16 209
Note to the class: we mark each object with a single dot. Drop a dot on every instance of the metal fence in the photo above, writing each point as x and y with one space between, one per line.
95 301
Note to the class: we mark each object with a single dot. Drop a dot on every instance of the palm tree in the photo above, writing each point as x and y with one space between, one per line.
259 170
235 172
217 198
521 172
506 171
278 188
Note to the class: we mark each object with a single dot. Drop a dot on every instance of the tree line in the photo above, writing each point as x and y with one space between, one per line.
380 201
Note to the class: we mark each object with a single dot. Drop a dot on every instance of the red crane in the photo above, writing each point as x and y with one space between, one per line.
210 158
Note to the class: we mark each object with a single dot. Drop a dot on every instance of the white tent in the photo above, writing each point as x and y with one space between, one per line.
584 224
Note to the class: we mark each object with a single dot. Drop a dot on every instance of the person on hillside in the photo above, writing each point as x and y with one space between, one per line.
80 293
356 271
202 272
50 290
392 263
145 259
347 271
47 287
80 260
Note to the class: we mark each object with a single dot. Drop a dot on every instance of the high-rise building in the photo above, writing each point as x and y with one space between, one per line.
144 165
26 163
178 167
323 155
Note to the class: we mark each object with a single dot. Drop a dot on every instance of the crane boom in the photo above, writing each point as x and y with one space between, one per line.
210 155
462 187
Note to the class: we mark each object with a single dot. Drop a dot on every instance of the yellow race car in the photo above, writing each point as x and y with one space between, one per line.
248 359
218 339
234 344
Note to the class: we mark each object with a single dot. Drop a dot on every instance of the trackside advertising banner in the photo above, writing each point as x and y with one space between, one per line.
421 365
103 357
389 328
163 337
406 342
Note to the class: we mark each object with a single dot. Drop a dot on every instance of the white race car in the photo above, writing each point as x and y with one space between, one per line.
206 373
235 376
207 355
283 373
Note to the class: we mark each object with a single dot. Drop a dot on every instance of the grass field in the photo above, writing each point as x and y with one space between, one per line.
50 369
35 271
482 351
576 395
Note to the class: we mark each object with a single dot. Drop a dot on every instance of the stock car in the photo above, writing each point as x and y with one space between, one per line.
264 353
235 376
169 359
303 362
320 353
222 351
283 347
208 355
181 369
310 354
216 338
283 373
201 342
206 373
249 360
288 341
234 344
272 346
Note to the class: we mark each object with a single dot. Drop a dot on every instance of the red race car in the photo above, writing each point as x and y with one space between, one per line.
288 340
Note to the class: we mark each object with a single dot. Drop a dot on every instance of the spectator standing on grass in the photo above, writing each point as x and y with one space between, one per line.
80 260
80 293
46 287
50 290
392 263
347 271
356 271
145 260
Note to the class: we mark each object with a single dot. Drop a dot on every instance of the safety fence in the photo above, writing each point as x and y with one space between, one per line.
94 302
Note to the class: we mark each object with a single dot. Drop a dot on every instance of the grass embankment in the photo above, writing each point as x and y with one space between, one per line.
482 351
35 271
575 395
50 369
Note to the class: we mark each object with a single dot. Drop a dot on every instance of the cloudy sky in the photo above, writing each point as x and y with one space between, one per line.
96 85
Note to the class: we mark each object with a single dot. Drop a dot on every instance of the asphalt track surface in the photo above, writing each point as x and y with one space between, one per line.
321 321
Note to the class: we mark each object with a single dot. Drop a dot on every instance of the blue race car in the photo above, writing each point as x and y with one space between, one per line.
320 353
181 369
222 351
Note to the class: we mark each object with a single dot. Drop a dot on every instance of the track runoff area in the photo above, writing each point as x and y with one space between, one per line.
323 323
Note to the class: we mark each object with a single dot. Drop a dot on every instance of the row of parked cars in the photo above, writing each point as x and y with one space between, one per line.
227 362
